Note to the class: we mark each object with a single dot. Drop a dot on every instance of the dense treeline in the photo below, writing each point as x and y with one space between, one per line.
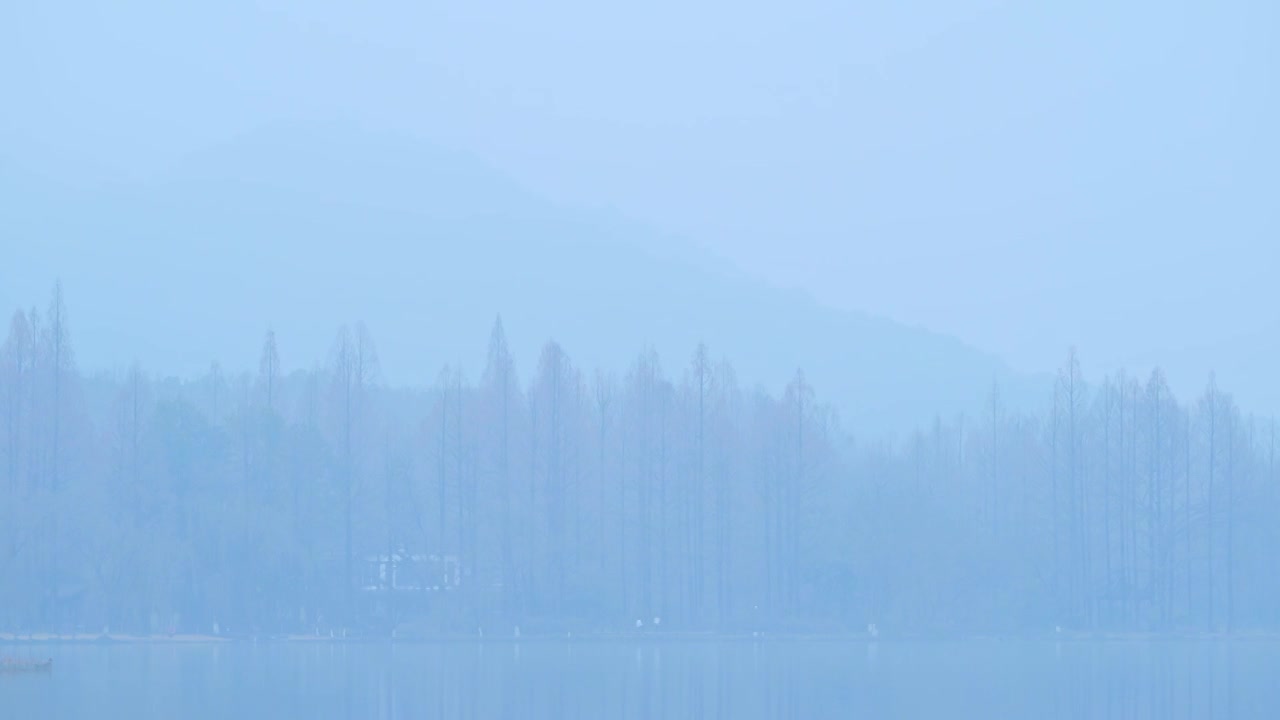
577 500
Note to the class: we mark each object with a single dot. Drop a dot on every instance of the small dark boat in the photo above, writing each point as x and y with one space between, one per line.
15 665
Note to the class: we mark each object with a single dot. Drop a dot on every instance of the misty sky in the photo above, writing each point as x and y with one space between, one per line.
1023 176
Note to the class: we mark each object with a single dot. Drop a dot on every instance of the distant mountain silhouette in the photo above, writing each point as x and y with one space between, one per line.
305 229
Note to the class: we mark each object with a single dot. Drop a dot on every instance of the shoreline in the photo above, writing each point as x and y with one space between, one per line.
28 639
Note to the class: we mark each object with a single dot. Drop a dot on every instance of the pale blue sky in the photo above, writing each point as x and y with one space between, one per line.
1022 176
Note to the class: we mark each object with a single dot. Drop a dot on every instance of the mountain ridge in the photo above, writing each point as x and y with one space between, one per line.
303 231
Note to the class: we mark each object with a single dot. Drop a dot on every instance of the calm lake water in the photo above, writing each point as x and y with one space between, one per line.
652 680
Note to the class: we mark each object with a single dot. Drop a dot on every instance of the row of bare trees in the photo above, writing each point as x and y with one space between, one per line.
1164 515
578 500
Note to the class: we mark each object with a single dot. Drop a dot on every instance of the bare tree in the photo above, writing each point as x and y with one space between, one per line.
499 378
269 370
17 358
58 352
702 380
1209 407
354 366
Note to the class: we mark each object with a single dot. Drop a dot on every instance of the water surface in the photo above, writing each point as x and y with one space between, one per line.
553 680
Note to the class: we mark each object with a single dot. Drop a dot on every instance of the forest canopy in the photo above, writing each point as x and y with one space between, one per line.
605 498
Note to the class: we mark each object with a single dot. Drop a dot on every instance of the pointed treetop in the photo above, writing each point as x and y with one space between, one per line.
269 369
499 366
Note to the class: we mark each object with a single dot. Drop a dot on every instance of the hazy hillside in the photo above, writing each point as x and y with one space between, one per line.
304 230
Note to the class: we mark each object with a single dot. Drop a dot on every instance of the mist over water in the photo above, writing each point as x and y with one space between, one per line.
671 360
701 679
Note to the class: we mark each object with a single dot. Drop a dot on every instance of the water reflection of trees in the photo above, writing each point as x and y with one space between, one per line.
1120 681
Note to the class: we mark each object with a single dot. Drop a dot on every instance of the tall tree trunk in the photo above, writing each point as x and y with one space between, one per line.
504 492
347 470
1213 429
1187 520
1106 503
1231 521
